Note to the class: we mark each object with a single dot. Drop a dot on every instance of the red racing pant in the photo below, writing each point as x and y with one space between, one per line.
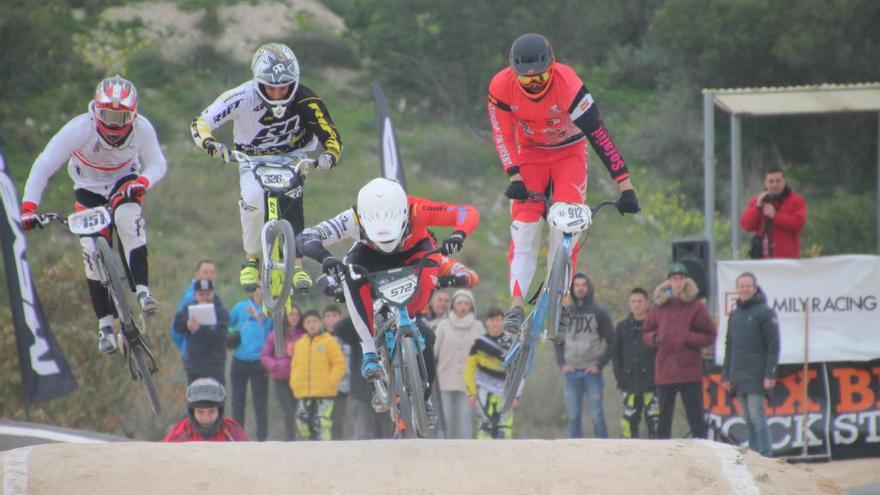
561 174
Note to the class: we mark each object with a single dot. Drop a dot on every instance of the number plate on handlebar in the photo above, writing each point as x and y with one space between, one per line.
397 290
571 218
273 178
88 222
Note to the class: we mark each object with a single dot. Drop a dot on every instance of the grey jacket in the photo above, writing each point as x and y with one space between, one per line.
589 336
751 348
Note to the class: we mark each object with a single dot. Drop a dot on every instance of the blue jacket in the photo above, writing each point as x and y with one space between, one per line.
253 331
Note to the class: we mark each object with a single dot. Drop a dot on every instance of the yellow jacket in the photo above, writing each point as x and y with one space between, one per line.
317 366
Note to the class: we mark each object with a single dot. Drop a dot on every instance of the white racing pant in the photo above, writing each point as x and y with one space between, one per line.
525 245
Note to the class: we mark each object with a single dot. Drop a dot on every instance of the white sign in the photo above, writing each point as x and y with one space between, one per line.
836 299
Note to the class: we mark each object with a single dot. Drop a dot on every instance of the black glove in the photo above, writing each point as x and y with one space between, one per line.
330 267
216 150
453 243
444 281
628 202
517 190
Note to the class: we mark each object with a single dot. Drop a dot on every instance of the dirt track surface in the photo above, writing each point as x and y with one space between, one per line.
629 467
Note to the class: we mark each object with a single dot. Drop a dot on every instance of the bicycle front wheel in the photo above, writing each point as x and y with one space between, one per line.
516 372
557 283
279 251
115 280
412 400
145 370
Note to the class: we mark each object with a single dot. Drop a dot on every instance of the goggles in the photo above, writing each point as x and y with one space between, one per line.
541 78
115 118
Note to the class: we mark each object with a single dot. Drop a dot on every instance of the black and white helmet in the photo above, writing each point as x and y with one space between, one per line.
274 64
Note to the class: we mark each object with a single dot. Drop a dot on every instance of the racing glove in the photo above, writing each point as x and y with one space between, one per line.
216 149
517 190
453 243
30 219
131 191
330 267
326 161
628 202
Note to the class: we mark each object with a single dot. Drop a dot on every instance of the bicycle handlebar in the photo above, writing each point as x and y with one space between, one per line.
357 272
302 166
536 197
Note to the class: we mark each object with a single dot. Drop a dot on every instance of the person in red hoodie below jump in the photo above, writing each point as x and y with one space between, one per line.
541 112
205 400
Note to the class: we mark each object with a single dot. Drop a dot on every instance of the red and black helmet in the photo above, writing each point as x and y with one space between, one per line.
115 109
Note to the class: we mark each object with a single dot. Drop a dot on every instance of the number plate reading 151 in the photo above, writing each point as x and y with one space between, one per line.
89 222
400 290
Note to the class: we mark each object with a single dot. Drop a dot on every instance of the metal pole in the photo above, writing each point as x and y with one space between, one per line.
709 188
735 174
805 417
878 183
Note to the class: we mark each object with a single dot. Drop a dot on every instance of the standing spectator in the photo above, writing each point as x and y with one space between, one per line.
586 336
634 369
438 308
206 355
367 424
679 327
455 336
315 371
205 270
484 378
249 327
279 368
332 314
777 216
751 354
204 421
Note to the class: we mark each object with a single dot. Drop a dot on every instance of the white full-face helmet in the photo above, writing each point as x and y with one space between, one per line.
275 65
383 213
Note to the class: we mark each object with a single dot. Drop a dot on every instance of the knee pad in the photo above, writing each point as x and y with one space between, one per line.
130 225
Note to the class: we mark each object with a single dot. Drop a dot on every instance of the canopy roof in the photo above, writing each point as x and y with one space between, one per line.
792 100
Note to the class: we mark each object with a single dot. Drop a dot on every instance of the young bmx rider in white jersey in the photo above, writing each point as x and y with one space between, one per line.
113 156
272 113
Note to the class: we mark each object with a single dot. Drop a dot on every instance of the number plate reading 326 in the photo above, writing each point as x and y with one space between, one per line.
400 290
89 222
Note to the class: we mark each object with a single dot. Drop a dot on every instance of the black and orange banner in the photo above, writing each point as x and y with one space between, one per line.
842 410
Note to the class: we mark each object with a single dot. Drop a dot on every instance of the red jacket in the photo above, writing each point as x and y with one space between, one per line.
679 328
785 234
184 432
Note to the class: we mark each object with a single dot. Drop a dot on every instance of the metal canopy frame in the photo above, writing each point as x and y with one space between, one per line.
758 102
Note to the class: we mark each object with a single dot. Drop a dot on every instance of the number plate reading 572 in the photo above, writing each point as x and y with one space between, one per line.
400 290
89 222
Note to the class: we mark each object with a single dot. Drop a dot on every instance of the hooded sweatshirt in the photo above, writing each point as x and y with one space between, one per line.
679 328
587 340
455 336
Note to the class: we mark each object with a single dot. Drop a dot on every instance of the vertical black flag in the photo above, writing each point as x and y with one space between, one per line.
45 374
389 153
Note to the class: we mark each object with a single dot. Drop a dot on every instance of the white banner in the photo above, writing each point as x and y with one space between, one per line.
836 299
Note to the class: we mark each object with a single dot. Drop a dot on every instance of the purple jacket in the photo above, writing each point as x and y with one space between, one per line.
279 368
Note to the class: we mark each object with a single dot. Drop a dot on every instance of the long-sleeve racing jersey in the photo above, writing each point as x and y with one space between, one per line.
525 129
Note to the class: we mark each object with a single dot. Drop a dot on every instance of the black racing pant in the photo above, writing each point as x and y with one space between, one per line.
692 397
360 302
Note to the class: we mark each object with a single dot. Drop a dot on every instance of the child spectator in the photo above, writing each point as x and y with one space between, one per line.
315 371
484 378
279 368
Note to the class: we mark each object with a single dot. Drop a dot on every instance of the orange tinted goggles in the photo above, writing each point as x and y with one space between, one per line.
540 78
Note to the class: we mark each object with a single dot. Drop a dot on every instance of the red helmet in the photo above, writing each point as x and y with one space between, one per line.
115 109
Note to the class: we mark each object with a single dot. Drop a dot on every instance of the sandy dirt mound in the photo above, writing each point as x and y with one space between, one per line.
177 33
381 467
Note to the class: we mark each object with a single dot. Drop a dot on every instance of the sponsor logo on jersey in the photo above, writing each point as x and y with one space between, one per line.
555 109
232 106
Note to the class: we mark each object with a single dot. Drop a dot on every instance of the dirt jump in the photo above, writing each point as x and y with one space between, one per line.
384 467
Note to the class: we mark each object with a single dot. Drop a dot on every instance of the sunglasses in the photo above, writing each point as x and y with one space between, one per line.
542 78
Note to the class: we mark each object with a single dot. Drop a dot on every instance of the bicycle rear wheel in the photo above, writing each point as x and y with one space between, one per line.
560 274
145 370
116 281
412 400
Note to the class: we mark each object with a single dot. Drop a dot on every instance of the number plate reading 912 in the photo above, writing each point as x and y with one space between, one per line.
400 290
89 222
